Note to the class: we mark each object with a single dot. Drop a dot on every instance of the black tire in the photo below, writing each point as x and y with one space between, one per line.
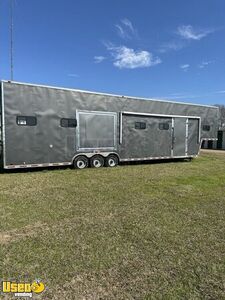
111 161
96 161
189 159
80 162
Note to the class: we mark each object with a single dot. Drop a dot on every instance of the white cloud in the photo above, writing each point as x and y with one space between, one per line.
121 32
173 45
177 94
189 33
99 59
128 24
130 59
220 92
184 34
125 29
73 75
185 67
204 64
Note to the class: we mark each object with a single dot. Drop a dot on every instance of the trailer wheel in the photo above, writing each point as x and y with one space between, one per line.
96 161
111 161
80 162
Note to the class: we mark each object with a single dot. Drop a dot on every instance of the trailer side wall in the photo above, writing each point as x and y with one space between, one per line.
48 142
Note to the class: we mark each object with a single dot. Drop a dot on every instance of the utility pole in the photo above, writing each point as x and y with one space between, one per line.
11 40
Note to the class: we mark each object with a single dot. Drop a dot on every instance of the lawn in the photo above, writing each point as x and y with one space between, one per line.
147 231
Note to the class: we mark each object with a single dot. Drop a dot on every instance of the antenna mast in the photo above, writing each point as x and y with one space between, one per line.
11 39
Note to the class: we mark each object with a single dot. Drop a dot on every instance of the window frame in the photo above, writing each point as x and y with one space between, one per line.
206 127
68 120
164 126
141 126
79 113
26 118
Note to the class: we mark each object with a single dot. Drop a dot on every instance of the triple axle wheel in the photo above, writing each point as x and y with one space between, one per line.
96 161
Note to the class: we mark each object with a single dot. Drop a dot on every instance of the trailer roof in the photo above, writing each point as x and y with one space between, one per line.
106 94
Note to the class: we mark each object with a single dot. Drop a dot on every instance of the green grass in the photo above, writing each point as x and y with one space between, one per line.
151 231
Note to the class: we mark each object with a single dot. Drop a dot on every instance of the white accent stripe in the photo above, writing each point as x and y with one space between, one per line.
186 138
210 139
121 127
158 115
37 165
156 158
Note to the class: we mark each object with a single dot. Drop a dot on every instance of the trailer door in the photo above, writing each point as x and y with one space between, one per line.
145 136
193 143
179 136
185 137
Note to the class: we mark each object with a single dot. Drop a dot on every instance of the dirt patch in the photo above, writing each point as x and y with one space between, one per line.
104 285
24 232
4 238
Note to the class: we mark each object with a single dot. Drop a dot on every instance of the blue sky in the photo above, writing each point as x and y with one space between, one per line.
149 48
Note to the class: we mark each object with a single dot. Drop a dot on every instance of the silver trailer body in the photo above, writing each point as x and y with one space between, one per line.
49 126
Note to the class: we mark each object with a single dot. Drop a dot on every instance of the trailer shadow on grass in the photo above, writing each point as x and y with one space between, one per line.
156 161
33 170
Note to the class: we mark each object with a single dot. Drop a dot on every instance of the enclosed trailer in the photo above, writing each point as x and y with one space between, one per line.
216 145
51 126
